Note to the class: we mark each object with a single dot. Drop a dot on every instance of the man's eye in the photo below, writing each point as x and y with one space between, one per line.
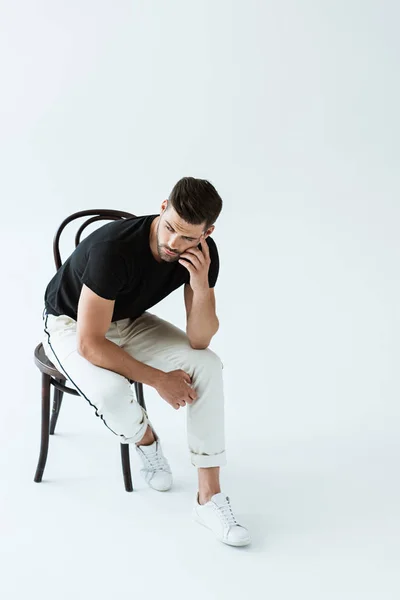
169 228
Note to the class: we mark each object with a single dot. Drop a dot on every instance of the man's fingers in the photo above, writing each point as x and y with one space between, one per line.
180 403
205 247
192 394
190 398
197 259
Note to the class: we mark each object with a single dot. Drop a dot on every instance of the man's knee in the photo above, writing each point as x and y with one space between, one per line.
115 398
121 412
206 359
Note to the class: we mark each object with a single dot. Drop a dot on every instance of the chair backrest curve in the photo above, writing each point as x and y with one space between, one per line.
100 214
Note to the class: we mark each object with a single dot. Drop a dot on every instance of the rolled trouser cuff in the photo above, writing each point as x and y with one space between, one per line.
139 435
208 460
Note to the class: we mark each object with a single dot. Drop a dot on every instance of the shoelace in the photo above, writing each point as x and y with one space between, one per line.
227 514
156 462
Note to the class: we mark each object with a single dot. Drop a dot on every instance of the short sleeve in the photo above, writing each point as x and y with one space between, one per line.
105 271
214 266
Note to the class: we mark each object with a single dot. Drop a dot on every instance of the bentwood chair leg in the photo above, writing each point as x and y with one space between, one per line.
44 445
126 467
57 399
139 394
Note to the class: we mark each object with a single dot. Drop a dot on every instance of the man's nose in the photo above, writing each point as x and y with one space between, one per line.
173 243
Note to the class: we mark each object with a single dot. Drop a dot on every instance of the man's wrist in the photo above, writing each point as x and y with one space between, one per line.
156 376
202 293
148 375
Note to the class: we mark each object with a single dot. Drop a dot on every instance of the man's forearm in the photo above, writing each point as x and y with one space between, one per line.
202 323
106 354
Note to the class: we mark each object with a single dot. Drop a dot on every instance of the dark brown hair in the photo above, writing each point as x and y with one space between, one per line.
196 201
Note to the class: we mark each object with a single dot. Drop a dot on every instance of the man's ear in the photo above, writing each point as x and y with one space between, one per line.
209 231
164 206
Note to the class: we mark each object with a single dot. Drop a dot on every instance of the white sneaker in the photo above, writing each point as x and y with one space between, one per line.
156 470
218 516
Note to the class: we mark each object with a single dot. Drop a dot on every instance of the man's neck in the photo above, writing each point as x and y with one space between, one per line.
153 239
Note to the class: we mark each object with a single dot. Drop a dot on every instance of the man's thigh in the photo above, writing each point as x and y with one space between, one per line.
157 343
60 346
110 393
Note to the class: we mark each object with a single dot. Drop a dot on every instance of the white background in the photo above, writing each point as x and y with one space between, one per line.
291 110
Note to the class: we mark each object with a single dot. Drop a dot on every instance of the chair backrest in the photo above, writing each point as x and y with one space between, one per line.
100 214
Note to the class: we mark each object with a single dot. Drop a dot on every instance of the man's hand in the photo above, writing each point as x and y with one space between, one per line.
197 262
176 388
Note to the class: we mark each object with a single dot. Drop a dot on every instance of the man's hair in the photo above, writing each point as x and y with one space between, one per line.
196 201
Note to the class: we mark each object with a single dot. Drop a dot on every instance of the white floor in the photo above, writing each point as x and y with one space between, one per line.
323 513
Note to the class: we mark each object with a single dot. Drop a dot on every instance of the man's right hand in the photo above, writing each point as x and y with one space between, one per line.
176 388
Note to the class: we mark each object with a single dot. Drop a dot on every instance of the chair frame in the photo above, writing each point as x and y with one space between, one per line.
51 377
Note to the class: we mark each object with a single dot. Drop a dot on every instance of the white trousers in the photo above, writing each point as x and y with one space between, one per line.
158 344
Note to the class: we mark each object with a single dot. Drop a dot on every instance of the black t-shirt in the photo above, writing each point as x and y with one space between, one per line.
115 261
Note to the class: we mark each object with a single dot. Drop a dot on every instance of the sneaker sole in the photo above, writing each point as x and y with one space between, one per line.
165 489
159 489
236 544
155 488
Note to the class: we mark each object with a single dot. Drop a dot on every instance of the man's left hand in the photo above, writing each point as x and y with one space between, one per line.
197 262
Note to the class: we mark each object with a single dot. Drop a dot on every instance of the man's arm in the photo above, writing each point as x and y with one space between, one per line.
201 319
93 321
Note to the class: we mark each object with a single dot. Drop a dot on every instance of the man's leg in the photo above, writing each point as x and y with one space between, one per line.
148 438
209 483
164 346
110 394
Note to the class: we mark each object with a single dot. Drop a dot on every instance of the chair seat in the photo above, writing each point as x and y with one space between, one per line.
45 365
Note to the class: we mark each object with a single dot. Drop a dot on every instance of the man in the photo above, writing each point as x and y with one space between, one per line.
99 333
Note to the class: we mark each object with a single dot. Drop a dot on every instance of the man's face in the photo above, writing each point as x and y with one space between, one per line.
175 235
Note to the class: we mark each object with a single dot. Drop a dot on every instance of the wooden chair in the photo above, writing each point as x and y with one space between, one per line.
51 377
